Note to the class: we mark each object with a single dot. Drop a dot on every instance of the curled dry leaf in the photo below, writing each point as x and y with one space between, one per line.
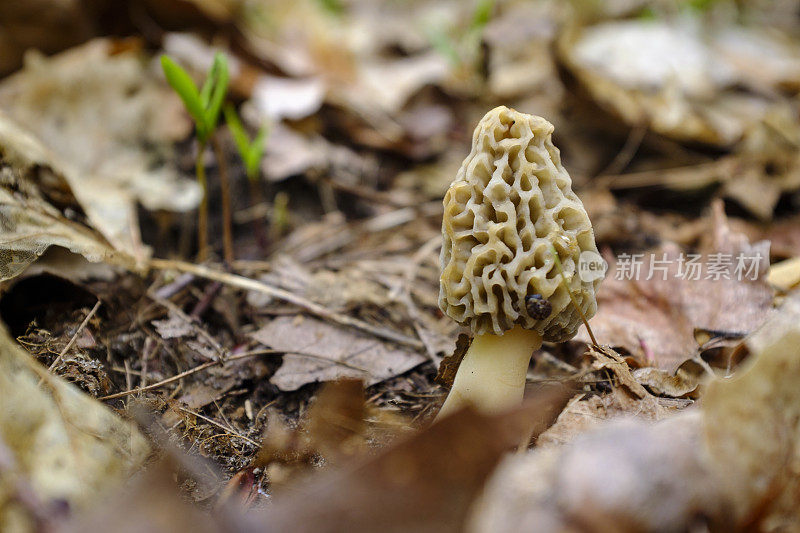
318 351
684 383
604 357
449 365
31 182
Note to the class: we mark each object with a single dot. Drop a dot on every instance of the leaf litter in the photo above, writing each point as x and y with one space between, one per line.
293 387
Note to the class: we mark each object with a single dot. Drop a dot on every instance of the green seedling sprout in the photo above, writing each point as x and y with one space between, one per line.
251 152
204 106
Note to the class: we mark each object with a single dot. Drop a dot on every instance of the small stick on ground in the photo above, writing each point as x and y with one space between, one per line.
73 339
312 307
209 364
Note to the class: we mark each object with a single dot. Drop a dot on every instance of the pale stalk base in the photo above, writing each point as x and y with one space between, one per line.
491 376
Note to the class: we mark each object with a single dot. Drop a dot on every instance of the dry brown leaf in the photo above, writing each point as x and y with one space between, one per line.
784 235
424 483
684 383
31 180
584 413
656 319
449 365
318 351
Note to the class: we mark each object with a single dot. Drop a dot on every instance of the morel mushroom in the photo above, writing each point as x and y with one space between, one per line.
509 209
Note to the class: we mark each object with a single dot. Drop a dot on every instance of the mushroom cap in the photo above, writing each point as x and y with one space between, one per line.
510 205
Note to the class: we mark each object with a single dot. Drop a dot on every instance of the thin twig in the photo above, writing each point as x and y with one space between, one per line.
629 149
209 364
312 307
228 431
74 338
160 384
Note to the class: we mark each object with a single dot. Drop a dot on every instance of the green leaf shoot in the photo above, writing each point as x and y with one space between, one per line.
204 105
219 75
249 151
182 83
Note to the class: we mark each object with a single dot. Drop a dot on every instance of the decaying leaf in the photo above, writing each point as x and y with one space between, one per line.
655 319
585 412
318 351
68 447
684 383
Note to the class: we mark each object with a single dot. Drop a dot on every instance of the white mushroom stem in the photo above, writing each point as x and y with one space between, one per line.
491 376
